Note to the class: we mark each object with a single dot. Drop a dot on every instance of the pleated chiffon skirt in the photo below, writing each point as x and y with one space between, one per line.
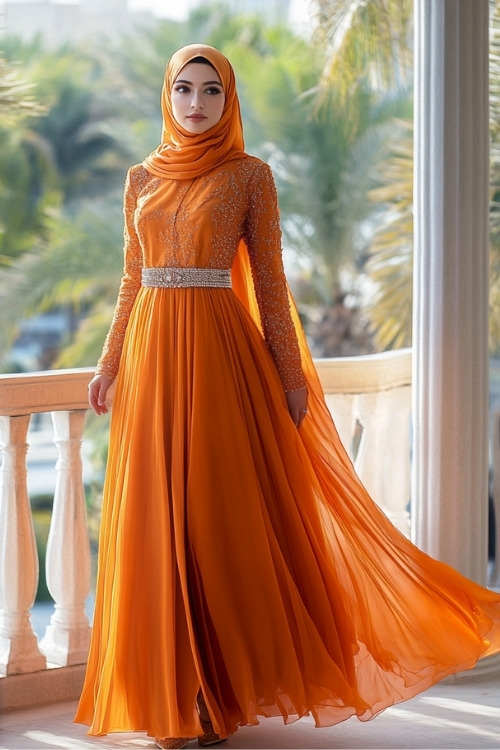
242 555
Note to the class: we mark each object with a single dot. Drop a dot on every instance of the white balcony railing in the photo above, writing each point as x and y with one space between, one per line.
64 394
370 398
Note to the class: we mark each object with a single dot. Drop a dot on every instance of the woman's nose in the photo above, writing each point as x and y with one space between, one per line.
196 102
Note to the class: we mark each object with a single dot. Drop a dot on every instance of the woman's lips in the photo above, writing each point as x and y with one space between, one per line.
196 117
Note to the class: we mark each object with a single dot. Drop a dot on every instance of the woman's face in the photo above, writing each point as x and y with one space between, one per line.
197 97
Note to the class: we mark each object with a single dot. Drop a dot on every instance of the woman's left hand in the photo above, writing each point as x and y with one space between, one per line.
297 405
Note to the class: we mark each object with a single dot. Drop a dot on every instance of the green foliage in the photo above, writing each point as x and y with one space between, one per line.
81 129
390 262
77 149
18 219
78 265
366 41
41 522
16 99
27 191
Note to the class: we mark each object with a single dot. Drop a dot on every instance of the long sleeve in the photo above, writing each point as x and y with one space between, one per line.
263 236
130 284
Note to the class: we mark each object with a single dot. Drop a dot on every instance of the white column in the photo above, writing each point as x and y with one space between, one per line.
67 638
450 339
18 556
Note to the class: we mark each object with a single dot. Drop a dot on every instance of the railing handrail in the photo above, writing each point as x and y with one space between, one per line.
366 373
58 390
52 390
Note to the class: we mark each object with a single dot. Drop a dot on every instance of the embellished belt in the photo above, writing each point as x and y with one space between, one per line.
186 277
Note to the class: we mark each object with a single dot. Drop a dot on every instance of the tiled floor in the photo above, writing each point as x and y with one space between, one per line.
463 716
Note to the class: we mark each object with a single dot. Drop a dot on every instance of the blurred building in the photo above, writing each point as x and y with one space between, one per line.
273 11
61 21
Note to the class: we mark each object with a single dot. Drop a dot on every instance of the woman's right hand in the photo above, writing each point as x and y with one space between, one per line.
98 388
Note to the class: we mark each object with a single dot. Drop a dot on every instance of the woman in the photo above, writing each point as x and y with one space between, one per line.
243 569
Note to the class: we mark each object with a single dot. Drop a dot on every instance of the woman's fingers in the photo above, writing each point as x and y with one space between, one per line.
297 405
98 389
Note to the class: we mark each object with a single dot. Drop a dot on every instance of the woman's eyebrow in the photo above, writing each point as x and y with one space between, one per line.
206 83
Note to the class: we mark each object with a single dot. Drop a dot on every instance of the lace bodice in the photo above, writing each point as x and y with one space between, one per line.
200 223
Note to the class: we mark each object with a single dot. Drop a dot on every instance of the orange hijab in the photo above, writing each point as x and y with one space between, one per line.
182 155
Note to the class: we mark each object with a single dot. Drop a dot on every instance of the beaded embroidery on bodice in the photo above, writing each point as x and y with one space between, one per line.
192 222
199 223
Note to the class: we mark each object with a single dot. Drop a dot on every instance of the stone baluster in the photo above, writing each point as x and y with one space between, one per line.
67 637
18 556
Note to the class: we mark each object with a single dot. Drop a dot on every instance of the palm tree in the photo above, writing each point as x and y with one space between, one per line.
20 212
368 45
367 40
53 167
390 264
82 130
78 147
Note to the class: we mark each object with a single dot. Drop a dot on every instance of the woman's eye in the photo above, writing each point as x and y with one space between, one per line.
182 88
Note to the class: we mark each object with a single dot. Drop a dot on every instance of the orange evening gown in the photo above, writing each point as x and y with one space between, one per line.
238 553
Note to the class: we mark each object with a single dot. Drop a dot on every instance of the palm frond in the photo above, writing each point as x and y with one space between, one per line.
80 262
366 38
16 99
390 262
